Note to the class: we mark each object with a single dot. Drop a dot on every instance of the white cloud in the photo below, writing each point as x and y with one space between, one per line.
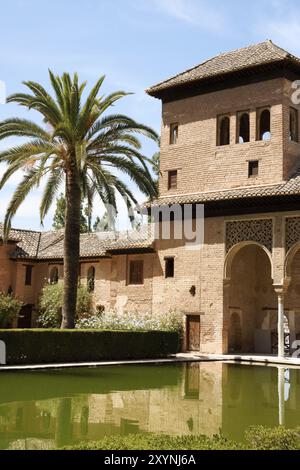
282 25
29 208
195 12
285 33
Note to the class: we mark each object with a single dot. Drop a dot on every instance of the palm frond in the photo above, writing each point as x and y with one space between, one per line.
22 128
52 186
29 182
100 148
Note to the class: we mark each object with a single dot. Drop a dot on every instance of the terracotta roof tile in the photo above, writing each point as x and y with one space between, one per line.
234 61
28 241
287 188
50 245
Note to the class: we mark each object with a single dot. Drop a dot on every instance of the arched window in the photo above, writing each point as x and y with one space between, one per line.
243 128
294 125
264 125
53 276
91 279
223 130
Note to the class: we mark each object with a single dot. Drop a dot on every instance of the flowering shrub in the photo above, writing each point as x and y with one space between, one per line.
51 302
9 310
133 321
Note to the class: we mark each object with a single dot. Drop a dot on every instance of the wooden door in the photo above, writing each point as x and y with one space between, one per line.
193 333
25 317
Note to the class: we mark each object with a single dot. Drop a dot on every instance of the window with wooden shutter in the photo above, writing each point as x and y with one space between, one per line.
136 272
172 179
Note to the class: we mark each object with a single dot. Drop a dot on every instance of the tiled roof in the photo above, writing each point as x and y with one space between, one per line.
227 63
130 240
28 241
50 245
287 188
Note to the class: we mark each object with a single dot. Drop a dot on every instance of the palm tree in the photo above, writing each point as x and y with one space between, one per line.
79 147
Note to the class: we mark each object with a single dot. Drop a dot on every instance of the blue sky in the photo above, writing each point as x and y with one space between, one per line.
135 43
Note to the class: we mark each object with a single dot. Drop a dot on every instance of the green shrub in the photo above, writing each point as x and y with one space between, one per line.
257 438
280 438
40 346
9 310
133 321
158 442
51 302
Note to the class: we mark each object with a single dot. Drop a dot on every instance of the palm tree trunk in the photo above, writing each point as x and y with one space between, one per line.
71 247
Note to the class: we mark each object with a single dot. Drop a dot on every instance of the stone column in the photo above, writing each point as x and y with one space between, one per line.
280 324
280 290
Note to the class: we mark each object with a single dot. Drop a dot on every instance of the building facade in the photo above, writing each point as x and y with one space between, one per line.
230 142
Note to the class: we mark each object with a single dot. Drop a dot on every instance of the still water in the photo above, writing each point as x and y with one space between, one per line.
42 410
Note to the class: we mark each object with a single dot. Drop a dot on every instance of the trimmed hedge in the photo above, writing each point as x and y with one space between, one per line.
40 346
157 442
256 438
280 438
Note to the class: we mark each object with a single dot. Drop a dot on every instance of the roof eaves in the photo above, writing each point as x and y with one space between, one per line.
280 55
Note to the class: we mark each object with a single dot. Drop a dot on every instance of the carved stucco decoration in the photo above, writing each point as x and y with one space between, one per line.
258 230
292 232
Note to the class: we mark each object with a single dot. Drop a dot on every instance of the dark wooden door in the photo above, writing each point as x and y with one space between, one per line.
193 333
25 317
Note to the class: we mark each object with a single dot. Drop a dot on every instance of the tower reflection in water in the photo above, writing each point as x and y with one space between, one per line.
46 410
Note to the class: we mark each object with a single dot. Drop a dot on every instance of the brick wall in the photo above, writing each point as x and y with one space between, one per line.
102 291
7 268
203 269
131 297
201 165
291 149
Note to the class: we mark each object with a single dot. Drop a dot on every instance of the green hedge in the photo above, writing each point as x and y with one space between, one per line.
280 438
40 346
157 442
256 438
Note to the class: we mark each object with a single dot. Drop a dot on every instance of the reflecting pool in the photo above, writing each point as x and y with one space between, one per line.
42 410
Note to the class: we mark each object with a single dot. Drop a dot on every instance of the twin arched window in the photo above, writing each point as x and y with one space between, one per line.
53 279
91 279
243 127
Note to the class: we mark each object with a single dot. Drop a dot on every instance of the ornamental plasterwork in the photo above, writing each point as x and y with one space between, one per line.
292 232
258 230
